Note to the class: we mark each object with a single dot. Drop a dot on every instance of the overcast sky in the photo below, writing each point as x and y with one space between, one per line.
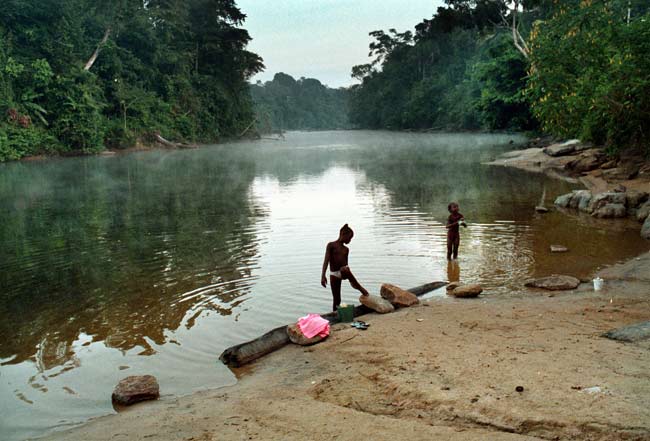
323 39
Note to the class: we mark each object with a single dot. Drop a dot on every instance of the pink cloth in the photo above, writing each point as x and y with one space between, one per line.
313 325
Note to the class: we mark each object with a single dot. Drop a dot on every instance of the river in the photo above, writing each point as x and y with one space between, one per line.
154 262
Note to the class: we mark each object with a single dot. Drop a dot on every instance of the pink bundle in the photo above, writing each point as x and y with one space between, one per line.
314 324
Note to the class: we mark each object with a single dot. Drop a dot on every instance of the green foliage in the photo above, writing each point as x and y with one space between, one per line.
304 104
590 78
175 67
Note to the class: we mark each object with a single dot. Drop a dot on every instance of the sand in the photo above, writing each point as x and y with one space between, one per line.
446 370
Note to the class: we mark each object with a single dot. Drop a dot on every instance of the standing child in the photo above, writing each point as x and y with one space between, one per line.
454 221
336 256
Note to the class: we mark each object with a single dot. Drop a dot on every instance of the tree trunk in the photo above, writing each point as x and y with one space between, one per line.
95 54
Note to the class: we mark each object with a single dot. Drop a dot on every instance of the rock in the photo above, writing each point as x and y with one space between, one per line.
466 291
452 285
136 388
563 148
397 296
620 188
579 197
610 211
558 249
631 333
643 212
377 304
622 173
587 161
609 164
635 198
297 337
602 199
645 229
541 209
583 205
554 283
564 200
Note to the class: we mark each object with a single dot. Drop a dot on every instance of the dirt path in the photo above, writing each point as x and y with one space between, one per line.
445 370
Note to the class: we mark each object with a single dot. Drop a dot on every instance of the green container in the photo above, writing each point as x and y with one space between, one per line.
346 313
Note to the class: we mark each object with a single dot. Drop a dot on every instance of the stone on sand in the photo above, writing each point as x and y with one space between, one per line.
466 291
136 388
377 304
631 333
297 337
397 296
554 283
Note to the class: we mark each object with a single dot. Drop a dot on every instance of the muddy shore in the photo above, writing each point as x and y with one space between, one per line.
447 369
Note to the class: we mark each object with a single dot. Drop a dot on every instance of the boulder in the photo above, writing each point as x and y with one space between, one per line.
583 205
564 148
643 212
609 164
541 209
632 333
377 304
602 199
136 388
554 283
564 200
635 198
622 173
466 291
587 161
397 296
558 249
579 197
296 336
610 211
645 229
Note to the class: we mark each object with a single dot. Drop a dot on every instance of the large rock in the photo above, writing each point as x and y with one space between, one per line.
602 199
554 283
564 200
610 211
564 148
645 229
579 197
136 388
466 291
631 333
587 161
643 212
397 296
296 336
377 304
635 198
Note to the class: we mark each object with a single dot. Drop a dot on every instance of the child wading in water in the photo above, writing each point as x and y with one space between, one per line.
454 220
336 256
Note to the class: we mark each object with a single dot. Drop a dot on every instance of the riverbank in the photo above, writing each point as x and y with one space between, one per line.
447 369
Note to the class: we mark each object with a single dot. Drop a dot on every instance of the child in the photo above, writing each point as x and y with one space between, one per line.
453 234
336 256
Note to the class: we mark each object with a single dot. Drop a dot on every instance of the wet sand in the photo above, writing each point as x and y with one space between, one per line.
447 369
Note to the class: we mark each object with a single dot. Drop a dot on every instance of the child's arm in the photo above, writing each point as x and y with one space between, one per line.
326 261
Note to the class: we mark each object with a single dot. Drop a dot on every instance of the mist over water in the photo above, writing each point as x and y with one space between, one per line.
154 262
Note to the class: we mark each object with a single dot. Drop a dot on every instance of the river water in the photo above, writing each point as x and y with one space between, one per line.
154 262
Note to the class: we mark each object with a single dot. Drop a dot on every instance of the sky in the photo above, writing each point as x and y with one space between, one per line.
323 39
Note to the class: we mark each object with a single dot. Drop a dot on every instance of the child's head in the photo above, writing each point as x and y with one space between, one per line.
346 233
453 207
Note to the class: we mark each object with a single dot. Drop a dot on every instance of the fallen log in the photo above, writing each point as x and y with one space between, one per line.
176 145
243 353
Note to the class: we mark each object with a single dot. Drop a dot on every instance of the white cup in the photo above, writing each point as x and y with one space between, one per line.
598 283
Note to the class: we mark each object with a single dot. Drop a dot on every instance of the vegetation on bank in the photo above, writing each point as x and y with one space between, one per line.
304 104
574 68
82 75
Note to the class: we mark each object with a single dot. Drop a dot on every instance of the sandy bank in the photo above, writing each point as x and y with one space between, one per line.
445 370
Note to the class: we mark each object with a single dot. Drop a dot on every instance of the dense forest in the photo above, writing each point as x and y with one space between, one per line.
572 68
82 75
304 104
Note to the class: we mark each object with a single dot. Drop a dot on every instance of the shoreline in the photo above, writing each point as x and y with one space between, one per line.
446 369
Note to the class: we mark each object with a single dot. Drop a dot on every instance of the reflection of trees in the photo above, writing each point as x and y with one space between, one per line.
108 247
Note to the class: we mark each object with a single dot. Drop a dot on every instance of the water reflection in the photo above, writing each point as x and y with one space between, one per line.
154 262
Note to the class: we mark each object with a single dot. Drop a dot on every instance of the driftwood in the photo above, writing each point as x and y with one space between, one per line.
176 145
244 353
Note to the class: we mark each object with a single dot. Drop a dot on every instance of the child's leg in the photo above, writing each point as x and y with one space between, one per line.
335 285
347 274
456 246
450 247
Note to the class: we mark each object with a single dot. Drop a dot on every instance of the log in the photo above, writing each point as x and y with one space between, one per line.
243 353
176 145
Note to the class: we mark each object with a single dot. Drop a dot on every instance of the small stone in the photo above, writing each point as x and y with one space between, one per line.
541 209
554 283
519 388
377 304
466 291
136 388
397 296
558 249
297 337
